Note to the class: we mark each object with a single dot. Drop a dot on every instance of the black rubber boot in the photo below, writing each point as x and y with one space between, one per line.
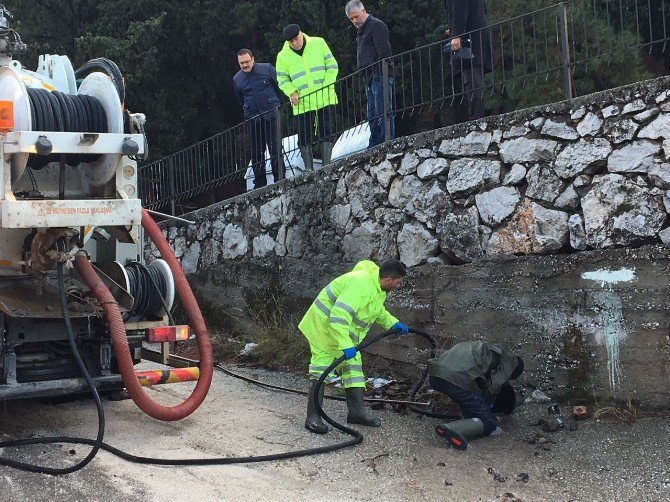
314 423
458 432
357 414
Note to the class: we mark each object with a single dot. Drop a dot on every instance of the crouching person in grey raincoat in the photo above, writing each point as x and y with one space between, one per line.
476 376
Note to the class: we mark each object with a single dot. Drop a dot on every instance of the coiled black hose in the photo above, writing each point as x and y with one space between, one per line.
148 287
109 68
61 112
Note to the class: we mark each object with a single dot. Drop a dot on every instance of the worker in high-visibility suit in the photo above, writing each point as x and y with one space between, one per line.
337 321
306 72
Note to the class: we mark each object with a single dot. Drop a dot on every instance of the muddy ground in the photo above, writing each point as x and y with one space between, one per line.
601 461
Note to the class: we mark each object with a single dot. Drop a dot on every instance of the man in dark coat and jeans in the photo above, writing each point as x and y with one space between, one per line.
476 376
468 29
373 45
257 92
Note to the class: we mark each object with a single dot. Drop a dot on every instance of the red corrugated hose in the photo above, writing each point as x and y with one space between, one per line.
120 342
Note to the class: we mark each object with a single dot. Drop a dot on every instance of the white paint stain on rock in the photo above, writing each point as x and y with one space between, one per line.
611 315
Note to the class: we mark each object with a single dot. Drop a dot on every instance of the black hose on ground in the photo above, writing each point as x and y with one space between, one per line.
357 437
97 443
271 386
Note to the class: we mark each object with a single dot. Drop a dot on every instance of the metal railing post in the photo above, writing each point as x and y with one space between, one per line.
386 100
279 148
171 187
549 43
565 50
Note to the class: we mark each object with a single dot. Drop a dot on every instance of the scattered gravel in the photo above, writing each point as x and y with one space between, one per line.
403 460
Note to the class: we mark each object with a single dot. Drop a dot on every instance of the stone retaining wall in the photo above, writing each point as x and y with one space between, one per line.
584 181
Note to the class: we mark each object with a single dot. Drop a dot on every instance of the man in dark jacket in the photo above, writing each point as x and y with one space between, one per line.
373 45
476 376
469 30
257 92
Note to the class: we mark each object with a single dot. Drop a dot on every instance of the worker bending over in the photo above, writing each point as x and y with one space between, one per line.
476 376
337 321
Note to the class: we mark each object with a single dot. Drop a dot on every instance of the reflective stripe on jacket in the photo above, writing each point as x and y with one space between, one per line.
343 312
316 69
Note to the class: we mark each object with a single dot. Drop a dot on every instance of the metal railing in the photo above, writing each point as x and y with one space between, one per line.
562 49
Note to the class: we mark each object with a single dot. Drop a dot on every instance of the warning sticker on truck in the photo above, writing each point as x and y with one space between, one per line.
44 211
68 213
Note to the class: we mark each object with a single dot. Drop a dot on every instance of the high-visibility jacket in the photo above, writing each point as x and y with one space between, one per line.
316 70
343 312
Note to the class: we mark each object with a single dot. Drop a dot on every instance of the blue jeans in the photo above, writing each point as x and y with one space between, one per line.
472 404
374 92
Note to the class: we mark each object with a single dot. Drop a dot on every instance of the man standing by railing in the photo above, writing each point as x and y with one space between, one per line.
469 29
257 92
306 71
373 45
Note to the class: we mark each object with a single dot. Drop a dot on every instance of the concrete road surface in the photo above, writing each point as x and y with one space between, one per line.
403 460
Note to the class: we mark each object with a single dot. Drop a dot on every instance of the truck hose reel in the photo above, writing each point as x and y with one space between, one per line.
141 281
95 109
61 112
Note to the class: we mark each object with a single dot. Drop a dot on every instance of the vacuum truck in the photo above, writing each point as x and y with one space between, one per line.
69 203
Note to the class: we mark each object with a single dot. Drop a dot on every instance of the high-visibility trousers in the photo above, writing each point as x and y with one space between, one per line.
350 371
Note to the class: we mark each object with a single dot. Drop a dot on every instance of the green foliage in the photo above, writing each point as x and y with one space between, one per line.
600 51
279 343
264 322
178 58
